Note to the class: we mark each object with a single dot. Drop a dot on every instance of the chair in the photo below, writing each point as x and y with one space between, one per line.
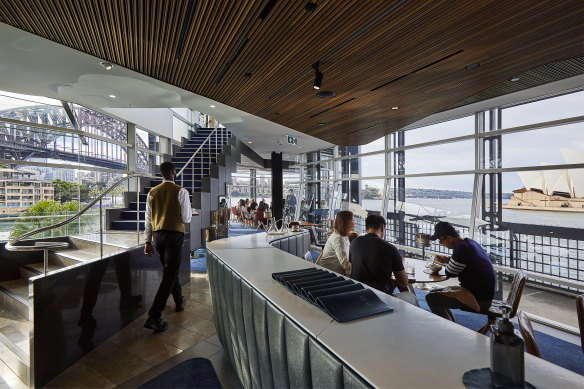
513 299
233 215
528 334
314 238
580 309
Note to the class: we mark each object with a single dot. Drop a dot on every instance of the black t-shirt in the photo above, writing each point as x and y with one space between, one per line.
373 260
253 206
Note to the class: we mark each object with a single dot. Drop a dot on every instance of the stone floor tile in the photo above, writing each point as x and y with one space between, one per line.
179 337
80 375
204 327
115 363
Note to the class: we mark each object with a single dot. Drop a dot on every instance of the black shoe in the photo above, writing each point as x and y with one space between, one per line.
180 306
156 324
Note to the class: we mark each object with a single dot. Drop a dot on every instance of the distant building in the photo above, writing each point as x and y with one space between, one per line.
21 189
561 189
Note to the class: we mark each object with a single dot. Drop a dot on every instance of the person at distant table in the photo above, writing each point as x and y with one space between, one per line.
474 270
335 254
374 259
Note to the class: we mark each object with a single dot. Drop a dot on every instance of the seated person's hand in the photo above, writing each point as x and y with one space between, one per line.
442 259
353 235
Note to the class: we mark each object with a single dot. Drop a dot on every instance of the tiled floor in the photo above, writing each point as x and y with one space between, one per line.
135 355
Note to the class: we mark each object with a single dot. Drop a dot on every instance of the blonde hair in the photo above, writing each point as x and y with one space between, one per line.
343 223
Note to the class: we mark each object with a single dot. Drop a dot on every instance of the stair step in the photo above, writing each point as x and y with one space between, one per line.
14 343
14 296
131 215
126 225
79 255
36 269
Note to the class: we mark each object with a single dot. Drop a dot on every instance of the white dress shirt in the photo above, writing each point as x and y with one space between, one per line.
335 255
186 211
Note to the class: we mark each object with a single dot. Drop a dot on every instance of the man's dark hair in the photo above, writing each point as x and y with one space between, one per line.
166 168
374 221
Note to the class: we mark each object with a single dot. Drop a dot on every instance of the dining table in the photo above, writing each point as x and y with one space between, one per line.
418 273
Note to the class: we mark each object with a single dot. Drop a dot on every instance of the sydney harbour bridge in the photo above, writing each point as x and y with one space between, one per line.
30 139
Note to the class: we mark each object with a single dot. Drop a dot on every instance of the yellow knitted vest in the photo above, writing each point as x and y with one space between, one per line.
165 208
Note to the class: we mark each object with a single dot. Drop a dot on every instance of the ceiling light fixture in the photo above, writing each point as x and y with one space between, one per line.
106 65
514 79
249 141
212 106
396 107
112 96
318 76
472 66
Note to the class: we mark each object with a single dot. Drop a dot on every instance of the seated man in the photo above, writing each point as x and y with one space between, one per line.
474 270
374 259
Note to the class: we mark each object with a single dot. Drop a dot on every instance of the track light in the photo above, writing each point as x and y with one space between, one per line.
107 65
317 77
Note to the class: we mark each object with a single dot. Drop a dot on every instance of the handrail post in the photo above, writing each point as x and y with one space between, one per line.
100 229
138 210
45 261
192 177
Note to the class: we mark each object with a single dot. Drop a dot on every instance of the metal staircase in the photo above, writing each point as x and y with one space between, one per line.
204 163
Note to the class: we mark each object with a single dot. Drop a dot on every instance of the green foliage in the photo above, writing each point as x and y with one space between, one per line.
371 193
67 191
51 212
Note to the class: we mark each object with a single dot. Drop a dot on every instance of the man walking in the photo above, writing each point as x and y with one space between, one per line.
168 207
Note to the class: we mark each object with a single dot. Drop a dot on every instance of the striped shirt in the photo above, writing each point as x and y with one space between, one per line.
473 268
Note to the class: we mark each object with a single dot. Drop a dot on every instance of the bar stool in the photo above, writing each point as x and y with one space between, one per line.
528 334
513 299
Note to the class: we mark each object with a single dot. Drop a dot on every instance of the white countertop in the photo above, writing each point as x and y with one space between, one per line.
407 348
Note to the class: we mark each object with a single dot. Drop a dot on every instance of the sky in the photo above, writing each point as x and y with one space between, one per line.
530 148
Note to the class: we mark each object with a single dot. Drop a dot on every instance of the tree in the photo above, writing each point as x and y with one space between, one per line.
371 193
67 191
51 212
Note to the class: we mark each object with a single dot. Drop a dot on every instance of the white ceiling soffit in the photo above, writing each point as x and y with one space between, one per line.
36 66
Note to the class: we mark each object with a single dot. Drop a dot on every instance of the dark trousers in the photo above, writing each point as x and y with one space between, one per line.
441 305
169 245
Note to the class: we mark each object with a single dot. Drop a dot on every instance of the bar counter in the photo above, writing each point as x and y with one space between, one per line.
406 348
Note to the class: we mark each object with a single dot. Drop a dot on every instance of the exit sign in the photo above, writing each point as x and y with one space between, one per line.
292 140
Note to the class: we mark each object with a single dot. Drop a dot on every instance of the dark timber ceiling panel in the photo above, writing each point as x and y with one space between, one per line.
257 56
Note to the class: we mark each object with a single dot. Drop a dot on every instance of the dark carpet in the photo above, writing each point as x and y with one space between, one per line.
192 373
554 350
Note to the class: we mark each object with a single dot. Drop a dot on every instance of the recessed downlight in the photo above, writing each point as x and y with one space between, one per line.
326 94
212 106
106 65
396 107
249 141
514 79
112 96
321 124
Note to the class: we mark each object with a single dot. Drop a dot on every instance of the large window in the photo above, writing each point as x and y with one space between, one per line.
518 191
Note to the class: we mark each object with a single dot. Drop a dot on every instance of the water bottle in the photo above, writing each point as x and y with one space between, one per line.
507 363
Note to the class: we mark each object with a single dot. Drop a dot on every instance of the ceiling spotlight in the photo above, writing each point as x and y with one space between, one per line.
318 76
396 107
107 65
249 141
321 124
514 79
212 106
112 96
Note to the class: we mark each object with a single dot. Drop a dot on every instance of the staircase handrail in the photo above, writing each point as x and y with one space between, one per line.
13 241
193 156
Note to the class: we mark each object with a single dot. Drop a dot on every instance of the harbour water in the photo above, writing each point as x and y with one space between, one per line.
460 209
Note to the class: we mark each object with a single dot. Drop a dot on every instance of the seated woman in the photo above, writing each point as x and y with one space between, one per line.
335 255
260 218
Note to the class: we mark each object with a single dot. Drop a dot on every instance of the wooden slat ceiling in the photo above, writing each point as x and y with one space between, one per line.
374 54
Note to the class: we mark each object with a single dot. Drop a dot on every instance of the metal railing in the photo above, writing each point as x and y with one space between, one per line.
191 160
46 246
